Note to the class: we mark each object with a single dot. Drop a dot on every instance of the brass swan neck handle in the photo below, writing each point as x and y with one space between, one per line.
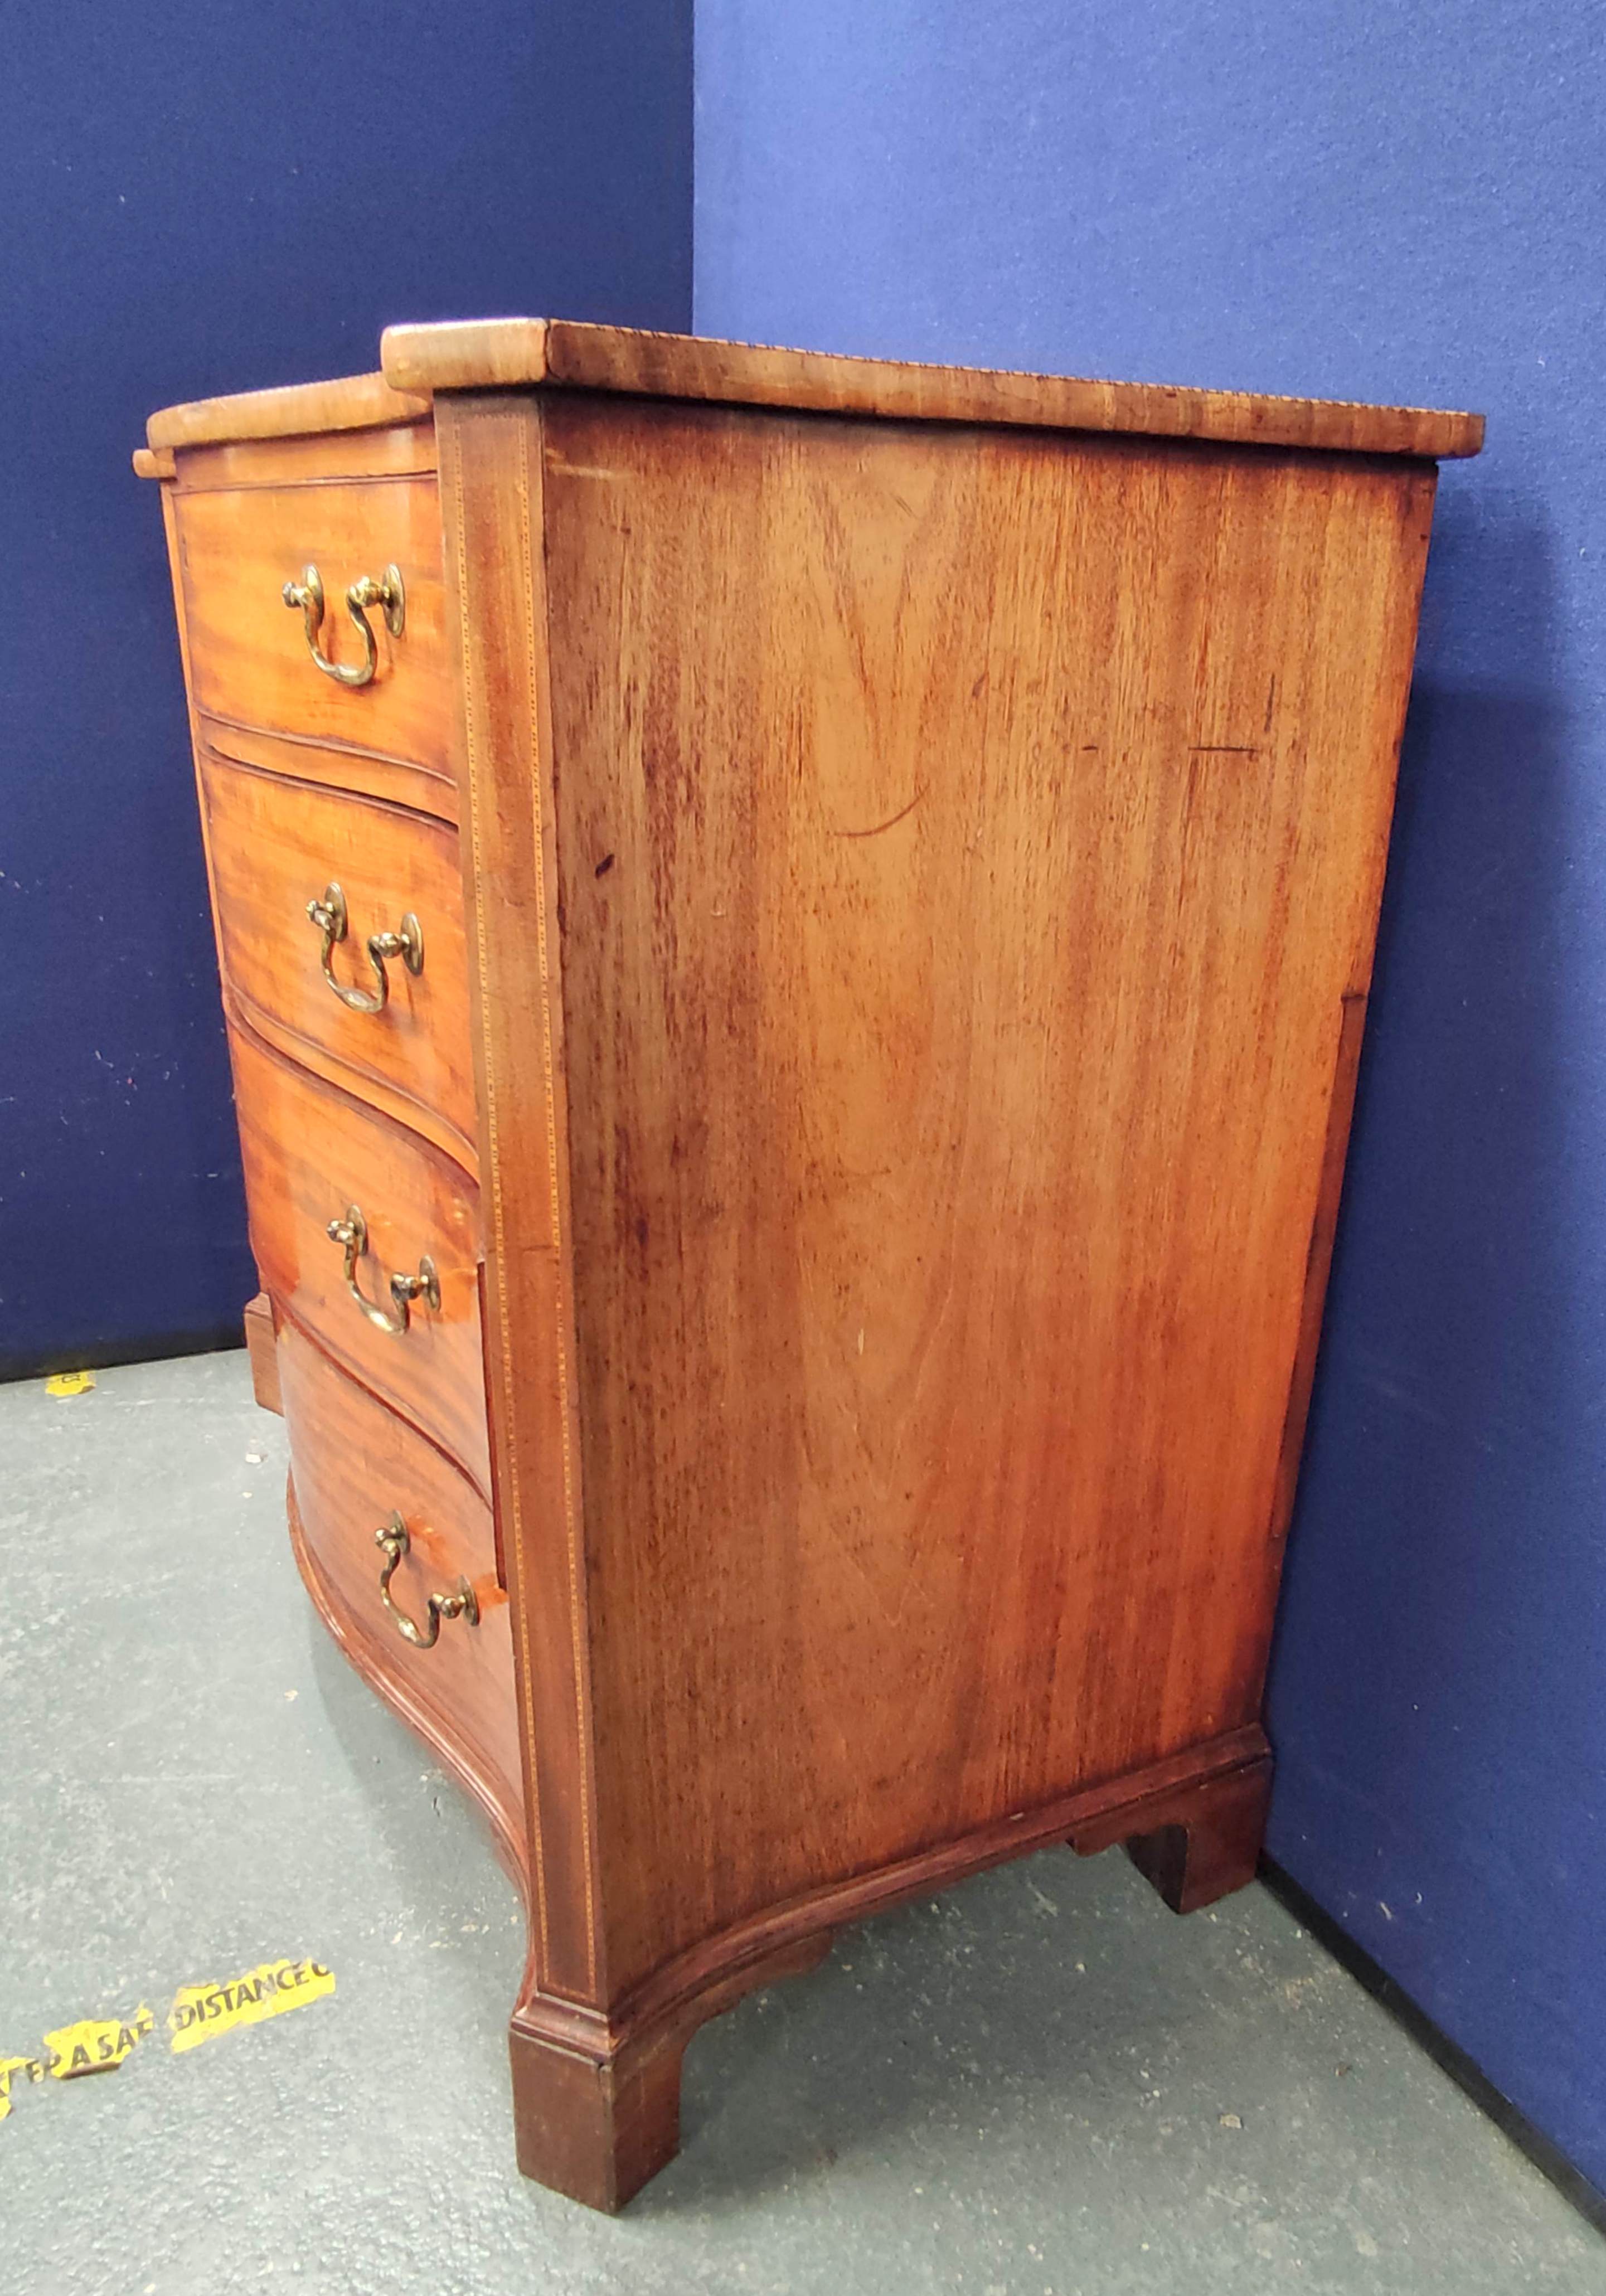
393 1541
386 591
351 1233
328 913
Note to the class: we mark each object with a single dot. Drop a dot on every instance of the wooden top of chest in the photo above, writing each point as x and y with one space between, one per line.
563 354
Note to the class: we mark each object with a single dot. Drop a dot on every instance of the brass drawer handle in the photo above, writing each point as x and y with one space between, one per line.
361 598
328 913
352 1233
392 1541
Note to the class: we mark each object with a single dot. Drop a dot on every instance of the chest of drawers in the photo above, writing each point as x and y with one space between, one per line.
794 933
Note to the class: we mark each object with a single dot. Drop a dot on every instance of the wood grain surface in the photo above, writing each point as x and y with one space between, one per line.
491 465
333 765
275 844
238 546
351 1463
310 1152
401 451
967 841
511 353
503 354
262 1349
898 851
355 402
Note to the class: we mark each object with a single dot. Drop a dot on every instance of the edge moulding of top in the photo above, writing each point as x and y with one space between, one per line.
567 354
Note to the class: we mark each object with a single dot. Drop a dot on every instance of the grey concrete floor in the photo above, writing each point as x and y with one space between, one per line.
1044 2082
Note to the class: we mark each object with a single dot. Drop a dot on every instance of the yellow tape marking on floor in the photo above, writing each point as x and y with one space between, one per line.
202 2011
10 2065
69 1383
95 2045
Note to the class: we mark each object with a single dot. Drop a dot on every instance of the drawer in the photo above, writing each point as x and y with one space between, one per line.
275 844
249 657
312 1152
354 1466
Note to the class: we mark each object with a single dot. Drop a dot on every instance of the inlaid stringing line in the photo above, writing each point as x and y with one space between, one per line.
498 1216
575 1621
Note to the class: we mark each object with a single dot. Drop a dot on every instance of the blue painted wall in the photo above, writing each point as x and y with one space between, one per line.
202 196
1388 203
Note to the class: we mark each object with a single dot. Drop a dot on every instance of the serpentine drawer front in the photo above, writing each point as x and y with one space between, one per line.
369 1493
340 918
358 656
313 1156
796 933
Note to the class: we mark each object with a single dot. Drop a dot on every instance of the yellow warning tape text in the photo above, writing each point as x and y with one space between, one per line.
199 2012
95 2045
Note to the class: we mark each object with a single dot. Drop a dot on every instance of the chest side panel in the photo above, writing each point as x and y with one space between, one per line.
967 843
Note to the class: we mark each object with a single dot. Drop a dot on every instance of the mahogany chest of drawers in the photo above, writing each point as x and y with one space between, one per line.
795 933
